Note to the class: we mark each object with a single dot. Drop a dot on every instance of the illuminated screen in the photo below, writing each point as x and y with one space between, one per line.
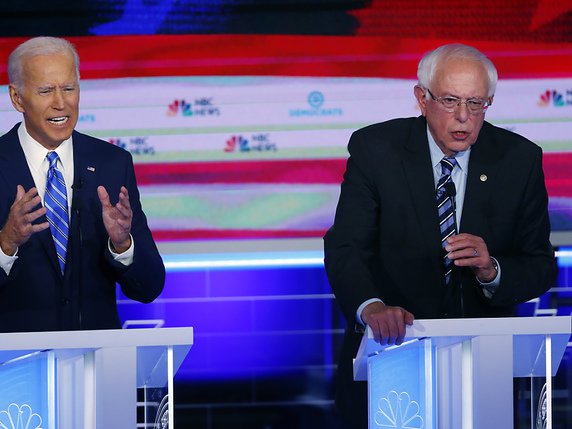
243 136
253 157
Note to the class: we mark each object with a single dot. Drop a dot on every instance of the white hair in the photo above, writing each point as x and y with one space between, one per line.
434 59
34 47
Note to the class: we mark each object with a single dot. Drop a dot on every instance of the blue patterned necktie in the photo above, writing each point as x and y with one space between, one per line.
56 203
446 209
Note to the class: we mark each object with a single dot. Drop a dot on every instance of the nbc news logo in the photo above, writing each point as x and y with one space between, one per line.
555 98
260 142
202 106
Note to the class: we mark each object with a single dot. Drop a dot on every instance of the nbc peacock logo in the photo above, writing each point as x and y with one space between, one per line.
398 411
554 98
259 142
236 144
179 106
20 417
197 107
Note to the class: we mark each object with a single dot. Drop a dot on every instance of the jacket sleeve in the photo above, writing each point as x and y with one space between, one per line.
350 244
144 279
529 268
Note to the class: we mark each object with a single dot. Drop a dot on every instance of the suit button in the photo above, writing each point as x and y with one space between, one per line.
65 301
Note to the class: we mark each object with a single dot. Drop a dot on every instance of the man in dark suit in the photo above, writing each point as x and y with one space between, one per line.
387 256
72 224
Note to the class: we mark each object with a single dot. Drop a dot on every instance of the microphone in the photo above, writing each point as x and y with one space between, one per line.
77 185
76 188
451 192
450 189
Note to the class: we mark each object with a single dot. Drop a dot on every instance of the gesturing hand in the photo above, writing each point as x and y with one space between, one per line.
387 323
18 227
117 218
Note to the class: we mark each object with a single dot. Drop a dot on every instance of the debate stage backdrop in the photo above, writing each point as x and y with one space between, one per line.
237 114
245 136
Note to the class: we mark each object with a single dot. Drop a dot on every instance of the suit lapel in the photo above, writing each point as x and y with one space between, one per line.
85 178
84 169
420 182
13 162
483 167
16 170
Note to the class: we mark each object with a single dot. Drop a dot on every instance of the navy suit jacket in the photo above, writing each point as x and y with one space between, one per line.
36 296
385 240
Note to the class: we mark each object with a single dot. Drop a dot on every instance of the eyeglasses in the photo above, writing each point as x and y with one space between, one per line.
474 105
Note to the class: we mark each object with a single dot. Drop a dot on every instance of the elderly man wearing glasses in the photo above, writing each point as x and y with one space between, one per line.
440 216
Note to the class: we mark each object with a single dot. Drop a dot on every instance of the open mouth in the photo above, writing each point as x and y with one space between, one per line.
60 120
460 134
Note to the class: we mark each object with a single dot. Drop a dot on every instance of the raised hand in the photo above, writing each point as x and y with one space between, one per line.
117 218
19 227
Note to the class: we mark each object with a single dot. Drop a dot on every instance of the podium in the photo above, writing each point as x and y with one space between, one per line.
458 373
90 379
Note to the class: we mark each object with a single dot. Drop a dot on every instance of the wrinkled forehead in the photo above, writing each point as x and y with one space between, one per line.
59 65
461 76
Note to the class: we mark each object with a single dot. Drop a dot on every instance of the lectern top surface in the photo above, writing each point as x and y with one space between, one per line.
488 326
96 339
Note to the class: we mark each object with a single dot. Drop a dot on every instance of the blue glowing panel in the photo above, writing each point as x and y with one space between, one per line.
400 388
26 394
247 321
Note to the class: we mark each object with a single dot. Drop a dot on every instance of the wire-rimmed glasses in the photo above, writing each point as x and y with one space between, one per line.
475 106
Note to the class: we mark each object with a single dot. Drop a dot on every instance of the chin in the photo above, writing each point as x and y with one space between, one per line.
55 141
459 146
61 136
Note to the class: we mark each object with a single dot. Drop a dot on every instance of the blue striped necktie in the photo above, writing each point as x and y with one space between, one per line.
446 209
56 203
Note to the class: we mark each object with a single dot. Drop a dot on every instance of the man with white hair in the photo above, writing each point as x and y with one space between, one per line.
71 221
440 216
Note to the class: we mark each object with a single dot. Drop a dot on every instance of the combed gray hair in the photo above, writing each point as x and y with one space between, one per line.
431 61
43 45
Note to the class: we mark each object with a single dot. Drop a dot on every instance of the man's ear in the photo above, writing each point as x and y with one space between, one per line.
16 98
421 100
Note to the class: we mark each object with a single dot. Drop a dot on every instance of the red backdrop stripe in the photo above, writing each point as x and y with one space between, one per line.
213 55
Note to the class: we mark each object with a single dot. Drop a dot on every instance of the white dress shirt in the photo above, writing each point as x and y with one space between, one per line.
38 164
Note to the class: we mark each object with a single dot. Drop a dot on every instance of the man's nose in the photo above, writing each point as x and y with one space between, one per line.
58 100
462 112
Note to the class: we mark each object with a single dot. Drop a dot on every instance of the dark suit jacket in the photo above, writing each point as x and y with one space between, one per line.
35 296
385 240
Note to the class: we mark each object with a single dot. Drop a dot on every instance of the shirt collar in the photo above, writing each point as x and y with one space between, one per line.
437 154
36 153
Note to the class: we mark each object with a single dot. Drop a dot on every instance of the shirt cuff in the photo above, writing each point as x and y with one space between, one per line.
489 288
362 306
126 258
6 261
